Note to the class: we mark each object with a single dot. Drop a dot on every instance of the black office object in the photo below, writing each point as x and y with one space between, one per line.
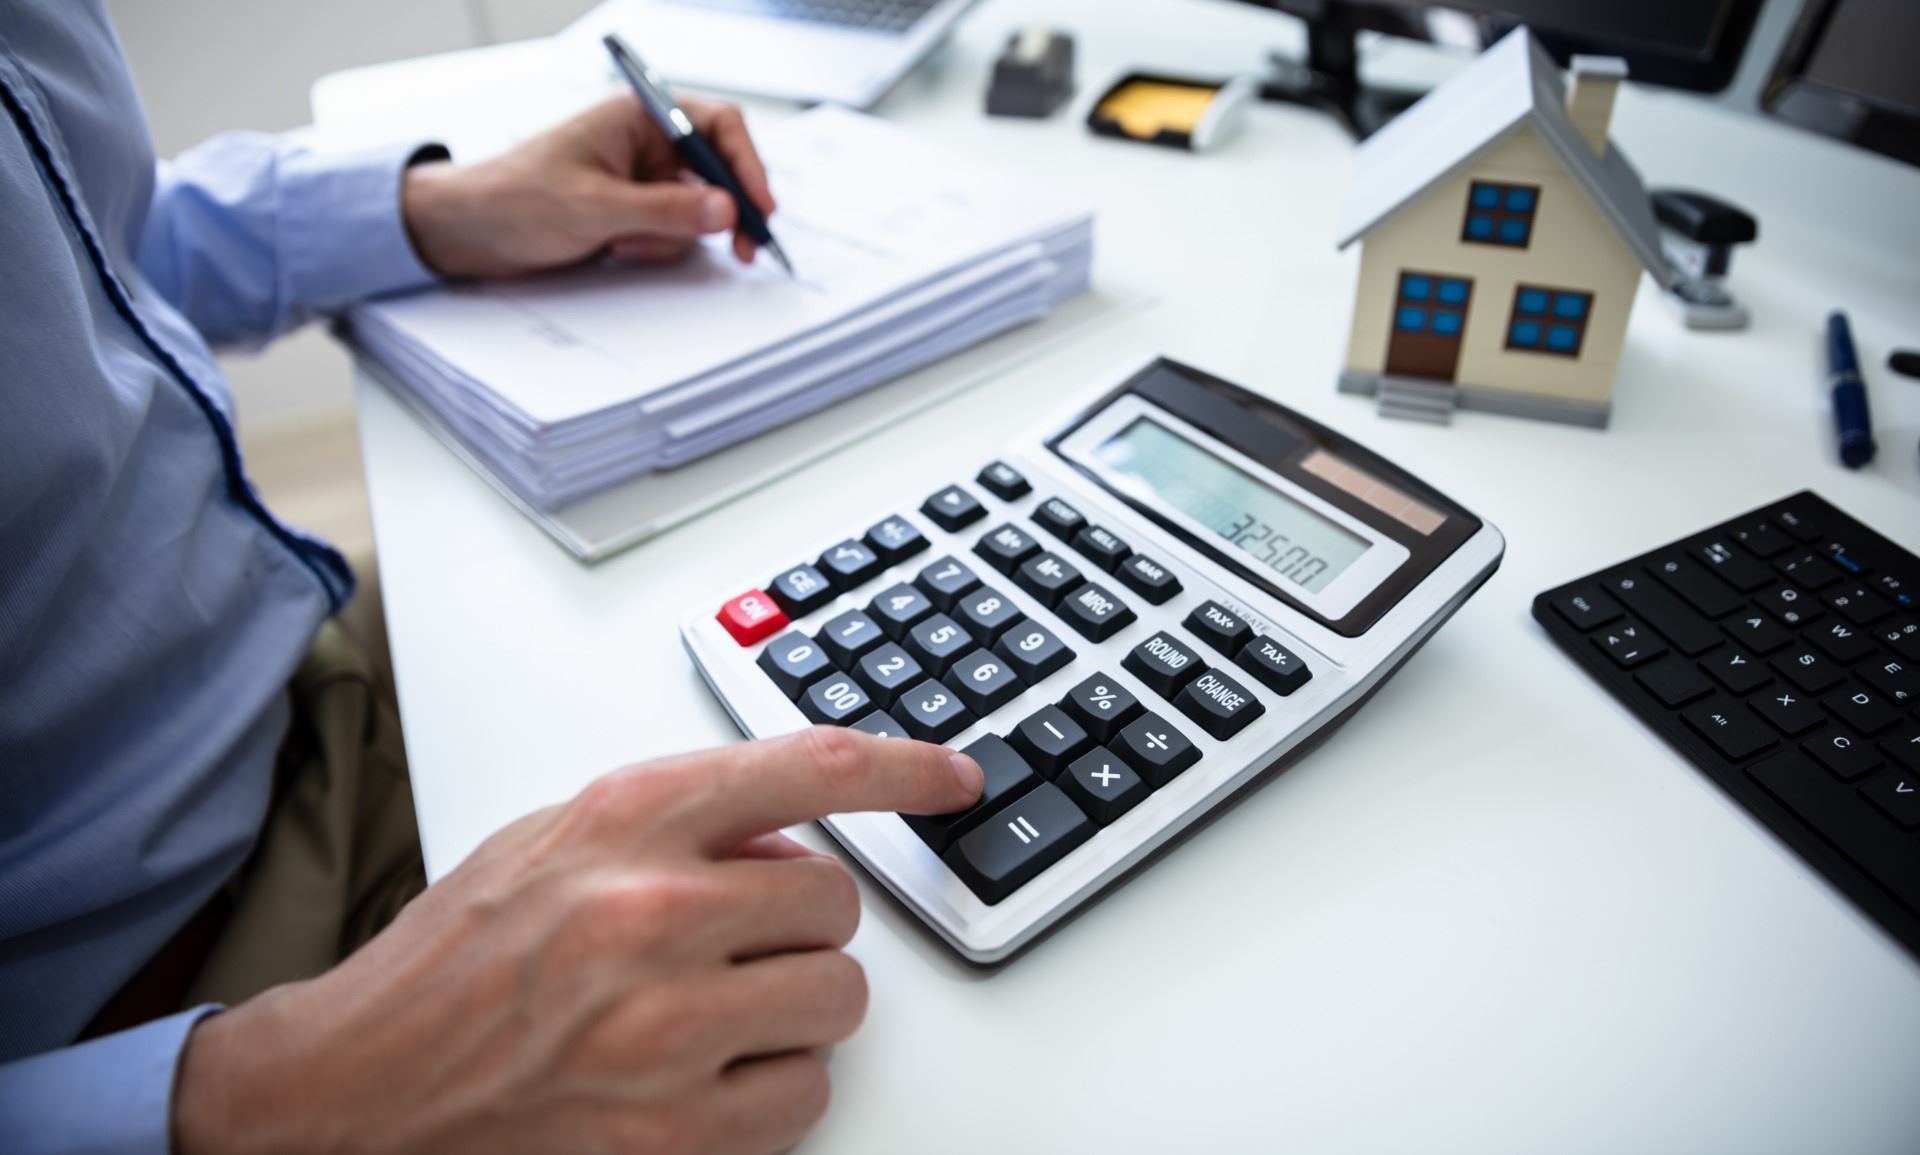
1905 362
1780 653
1034 76
1848 70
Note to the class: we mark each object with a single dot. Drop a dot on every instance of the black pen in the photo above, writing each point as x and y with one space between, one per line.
693 148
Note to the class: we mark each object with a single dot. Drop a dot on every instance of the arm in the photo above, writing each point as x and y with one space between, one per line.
110 1096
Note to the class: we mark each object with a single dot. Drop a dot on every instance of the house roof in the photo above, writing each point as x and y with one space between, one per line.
1513 83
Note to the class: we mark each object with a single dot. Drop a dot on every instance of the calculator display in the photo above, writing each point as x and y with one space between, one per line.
1272 528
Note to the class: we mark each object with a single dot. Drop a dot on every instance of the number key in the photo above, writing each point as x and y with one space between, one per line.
793 661
931 713
986 613
945 581
983 682
837 700
937 641
1859 605
898 607
1033 652
846 636
887 671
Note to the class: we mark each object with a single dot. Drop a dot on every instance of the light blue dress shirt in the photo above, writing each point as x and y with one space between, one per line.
151 609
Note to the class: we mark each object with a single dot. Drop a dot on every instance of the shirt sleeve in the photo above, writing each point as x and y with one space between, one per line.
251 234
109 1096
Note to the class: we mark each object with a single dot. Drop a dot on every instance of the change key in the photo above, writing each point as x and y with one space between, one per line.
1222 706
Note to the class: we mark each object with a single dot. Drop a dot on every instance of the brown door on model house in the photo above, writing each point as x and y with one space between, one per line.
1429 313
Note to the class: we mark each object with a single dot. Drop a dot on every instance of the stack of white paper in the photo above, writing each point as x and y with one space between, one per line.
906 252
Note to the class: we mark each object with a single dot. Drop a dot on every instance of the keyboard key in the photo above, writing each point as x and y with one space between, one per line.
1164 663
1811 671
751 617
1845 819
1868 711
1788 712
945 581
888 671
986 613
1847 755
1158 751
1793 607
1680 624
1014 845
1809 571
937 641
1733 565
1219 627
837 699
1898 795
1737 670
801 590
1033 652
1003 481
1585 609
1628 643
1736 733
898 608
931 713
793 661
1274 664
1006 546
847 635
1898 679
1095 612
1756 632
1842 555
1101 546
1674 683
1895 589
849 564
1102 705
1843 643
1103 786
881 725
1148 578
1692 582
1858 604
983 681
1762 540
1221 706
1047 576
1059 519
1903 636
1050 739
1904 746
953 509
1797 523
1006 777
895 539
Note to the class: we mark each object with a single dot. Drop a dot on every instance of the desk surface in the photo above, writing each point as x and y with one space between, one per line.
1493 913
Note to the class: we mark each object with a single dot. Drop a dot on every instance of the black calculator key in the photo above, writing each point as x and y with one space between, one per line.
1787 710
1274 664
1761 539
1848 756
1628 643
931 713
1095 612
1219 627
1844 643
1014 845
1734 565
1673 682
1221 706
1155 749
983 681
1734 731
1033 652
849 563
1809 571
1101 546
1904 746
793 660
1059 519
1586 608
898 608
1680 624
895 539
1102 705
1867 711
1757 632
945 581
1047 576
1006 546
953 508
1790 606
1050 739
1003 481
801 590
1164 663
987 613
1737 670
888 671
1148 578
1808 669
1103 786
836 699
1859 605
937 641
881 725
1690 579
848 635
1005 776
1897 678
1898 795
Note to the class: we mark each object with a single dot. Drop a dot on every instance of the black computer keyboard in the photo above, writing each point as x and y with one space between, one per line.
875 15
1780 652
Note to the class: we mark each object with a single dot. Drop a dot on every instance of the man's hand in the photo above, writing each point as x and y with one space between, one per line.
645 969
607 180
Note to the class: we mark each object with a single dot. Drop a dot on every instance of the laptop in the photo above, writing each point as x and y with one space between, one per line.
846 52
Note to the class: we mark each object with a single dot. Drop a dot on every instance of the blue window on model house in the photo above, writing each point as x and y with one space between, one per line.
1549 320
1500 214
1431 303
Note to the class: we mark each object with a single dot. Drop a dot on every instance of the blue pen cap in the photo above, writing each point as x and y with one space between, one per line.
1851 423
1841 359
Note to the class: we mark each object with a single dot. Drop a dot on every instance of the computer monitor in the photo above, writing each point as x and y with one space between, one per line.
1849 70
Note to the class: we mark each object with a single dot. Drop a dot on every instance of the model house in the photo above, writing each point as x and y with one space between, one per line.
1503 238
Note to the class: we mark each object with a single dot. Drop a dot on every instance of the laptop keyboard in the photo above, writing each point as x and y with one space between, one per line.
875 15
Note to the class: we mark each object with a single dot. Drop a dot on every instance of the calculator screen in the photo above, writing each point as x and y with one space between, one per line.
1277 532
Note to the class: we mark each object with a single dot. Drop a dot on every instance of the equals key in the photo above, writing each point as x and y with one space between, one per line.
1629 643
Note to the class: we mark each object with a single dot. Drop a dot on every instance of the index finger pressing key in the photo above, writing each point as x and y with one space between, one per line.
761 786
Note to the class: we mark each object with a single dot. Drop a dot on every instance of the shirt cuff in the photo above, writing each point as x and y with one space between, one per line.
344 233
110 1096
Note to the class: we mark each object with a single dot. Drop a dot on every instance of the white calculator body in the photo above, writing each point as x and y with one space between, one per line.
1126 617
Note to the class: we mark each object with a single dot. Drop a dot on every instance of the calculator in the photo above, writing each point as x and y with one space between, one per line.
1780 653
1124 619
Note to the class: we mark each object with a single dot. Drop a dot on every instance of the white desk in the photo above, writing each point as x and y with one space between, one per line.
1492 914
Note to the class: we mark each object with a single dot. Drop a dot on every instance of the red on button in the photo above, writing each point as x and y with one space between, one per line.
752 617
